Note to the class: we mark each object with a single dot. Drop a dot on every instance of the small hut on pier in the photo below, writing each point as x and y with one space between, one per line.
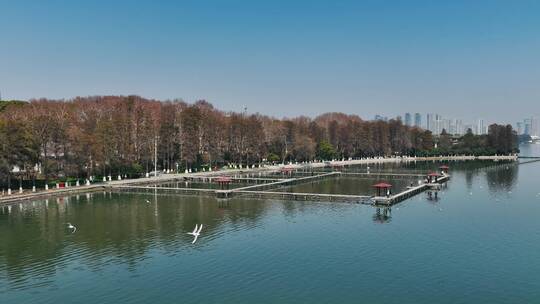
383 188
223 181
287 170
433 177
337 166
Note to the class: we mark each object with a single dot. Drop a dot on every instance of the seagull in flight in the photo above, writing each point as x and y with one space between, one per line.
196 232
73 228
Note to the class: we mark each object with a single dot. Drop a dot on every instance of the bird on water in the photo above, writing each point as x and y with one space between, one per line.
73 228
196 232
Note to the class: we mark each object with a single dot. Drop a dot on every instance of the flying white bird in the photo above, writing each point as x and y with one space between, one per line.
196 232
73 228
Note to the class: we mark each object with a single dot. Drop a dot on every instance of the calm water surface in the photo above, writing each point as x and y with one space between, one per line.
477 242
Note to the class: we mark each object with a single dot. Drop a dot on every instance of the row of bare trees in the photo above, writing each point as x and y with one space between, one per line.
106 135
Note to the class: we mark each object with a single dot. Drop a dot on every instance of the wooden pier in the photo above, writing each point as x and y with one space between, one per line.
260 189
529 159
306 196
269 188
378 174
188 191
263 183
233 178
272 185
410 192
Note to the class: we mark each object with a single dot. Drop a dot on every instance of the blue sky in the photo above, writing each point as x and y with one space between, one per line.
465 59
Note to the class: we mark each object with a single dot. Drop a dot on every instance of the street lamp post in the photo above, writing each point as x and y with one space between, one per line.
155 156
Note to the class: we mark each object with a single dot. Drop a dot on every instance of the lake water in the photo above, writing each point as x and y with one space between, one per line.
478 241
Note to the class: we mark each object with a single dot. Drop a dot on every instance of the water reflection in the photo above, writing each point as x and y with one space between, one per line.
502 179
111 228
382 215
122 228
433 196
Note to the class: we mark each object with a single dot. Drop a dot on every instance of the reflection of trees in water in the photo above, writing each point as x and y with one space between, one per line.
27 244
469 178
473 169
382 215
119 227
503 178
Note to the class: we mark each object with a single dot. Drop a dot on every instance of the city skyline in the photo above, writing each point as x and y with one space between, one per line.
465 59
436 122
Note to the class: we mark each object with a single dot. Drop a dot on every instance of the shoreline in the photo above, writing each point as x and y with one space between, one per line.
407 159
16 197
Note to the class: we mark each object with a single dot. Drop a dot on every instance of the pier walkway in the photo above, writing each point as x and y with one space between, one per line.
377 174
410 192
529 159
264 182
305 196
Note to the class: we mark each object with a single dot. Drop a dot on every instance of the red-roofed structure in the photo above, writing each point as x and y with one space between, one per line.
382 186
433 176
223 180
287 170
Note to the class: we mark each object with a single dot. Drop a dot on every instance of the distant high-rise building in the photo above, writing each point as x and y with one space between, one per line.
430 122
417 120
519 128
408 119
481 127
459 127
446 124
438 124
534 127
399 118
450 124
527 126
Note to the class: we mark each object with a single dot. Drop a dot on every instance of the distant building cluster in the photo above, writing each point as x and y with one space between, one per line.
528 126
437 123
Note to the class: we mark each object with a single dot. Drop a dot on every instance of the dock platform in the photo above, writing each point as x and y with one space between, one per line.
410 192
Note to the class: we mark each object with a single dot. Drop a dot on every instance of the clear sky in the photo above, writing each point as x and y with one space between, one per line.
465 59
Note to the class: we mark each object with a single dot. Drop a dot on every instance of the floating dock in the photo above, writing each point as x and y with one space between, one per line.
269 188
264 183
410 192
306 196
272 185
378 174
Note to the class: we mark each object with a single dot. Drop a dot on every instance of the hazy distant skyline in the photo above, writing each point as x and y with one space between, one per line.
461 59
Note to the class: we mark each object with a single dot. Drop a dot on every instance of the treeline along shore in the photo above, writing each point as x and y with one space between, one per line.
123 135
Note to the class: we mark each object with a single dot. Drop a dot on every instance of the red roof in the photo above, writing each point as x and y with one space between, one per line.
382 185
434 174
223 179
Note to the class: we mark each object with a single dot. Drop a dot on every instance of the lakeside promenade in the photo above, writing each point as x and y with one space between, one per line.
162 178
